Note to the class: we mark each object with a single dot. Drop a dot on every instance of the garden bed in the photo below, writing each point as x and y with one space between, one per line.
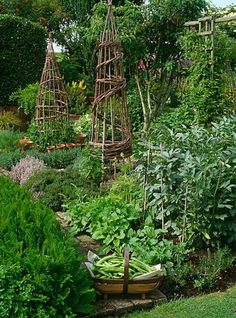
225 280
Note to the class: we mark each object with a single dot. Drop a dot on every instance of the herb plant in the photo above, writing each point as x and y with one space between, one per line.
211 266
40 273
25 169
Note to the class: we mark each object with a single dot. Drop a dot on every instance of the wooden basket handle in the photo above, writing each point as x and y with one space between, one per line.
126 270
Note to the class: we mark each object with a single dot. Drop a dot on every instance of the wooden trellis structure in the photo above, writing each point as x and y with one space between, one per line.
206 28
52 103
111 125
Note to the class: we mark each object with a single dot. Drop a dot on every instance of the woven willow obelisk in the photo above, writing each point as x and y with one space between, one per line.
52 104
111 125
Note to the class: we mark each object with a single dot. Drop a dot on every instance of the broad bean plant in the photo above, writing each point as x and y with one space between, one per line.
189 180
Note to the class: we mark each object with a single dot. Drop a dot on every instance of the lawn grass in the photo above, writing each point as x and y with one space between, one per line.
216 305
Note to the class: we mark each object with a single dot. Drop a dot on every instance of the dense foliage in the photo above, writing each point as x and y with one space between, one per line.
149 41
173 197
49 14
110 217
58 159
190 182
206 96
77 99
25 40
54 187
51 132
40 273
26 99
9 140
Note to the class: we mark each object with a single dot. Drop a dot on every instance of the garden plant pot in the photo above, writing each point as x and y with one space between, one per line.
81 138
74 117
50 148
61 146
25 143
70 145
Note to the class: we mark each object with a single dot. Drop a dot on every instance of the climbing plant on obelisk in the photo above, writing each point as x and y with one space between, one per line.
111 124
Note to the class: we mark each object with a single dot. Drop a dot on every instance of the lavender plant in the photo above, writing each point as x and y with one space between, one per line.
25 169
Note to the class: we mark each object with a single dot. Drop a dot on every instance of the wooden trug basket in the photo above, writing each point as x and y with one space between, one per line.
126 285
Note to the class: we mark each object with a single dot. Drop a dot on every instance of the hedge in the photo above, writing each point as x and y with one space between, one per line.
22 54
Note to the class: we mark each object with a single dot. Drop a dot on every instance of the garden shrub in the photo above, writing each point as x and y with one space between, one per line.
211 266
190 182
10 158
89 165
40 269
54 187
25 169
9 120
175 118
60 159
57 159
22 54
77 98
208 97
52 133
9 140
26 99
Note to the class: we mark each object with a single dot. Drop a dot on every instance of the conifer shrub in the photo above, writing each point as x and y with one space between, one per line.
40 268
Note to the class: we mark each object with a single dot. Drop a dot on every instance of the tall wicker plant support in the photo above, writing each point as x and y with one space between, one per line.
52 103
111 125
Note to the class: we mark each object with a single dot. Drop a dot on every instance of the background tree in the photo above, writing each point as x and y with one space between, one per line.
149 35
50 14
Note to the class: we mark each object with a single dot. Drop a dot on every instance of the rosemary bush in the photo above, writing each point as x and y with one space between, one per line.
40 269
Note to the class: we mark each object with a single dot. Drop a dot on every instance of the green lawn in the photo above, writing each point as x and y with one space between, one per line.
217 305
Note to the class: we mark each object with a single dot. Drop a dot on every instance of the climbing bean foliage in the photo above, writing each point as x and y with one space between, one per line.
206 96
189 177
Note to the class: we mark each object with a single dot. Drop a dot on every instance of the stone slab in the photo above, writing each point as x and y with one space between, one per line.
118 305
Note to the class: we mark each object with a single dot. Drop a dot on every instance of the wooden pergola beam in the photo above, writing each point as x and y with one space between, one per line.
218 20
